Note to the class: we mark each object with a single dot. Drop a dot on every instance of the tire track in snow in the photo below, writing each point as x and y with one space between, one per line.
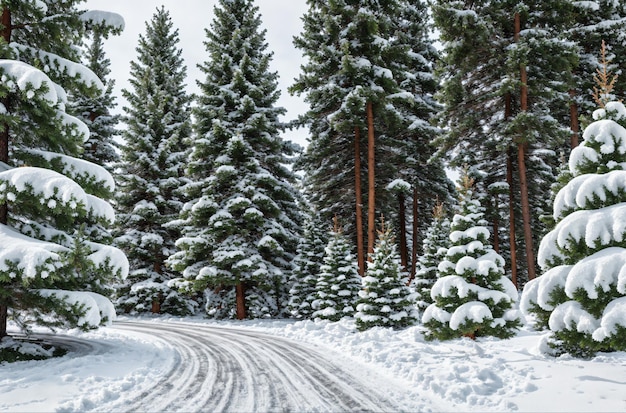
233 369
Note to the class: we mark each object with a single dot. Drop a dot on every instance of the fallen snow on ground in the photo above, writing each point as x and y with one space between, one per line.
482 375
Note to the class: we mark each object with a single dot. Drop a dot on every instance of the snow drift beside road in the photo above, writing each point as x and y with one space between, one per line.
462 375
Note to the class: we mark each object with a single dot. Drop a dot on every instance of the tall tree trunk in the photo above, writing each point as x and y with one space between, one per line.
521 160
404 259
4 157
359 201
240 300
414 235
371 196
573 112
512 240
492 204
508 111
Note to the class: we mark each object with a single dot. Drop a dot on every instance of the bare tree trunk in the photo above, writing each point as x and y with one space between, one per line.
241 300
496 222
573 112
3 321
371 196
359 201
404 259
512 240
414 235
521 160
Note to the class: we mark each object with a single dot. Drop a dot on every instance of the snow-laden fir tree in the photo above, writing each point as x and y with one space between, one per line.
240 228
309 258
150 173
472 296
338 283
359 53
51 203
434 250
385 300
96 111
581 296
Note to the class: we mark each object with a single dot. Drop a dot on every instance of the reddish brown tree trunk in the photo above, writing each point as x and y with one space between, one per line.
404 259
493 204
371 196
512 240
359 201
241 300
521 160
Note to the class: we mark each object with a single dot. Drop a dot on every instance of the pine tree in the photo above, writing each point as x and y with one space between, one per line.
338 284
150 173
487 69
472 296
240 228
436 244
50 202
581 296
368 72
385 300
307 263
96 112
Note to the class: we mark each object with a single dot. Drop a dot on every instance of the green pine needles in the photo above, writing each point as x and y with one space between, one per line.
385 300
472 296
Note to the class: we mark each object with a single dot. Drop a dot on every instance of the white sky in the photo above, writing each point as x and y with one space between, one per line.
281 18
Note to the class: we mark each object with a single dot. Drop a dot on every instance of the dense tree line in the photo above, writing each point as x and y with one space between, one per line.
211 210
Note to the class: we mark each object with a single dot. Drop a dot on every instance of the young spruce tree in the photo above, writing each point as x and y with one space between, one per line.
581 296
241 226
472 296
50 201
151 171
435 248
338 283
385 300
307 263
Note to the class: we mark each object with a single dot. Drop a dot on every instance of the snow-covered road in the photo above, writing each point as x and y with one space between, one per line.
228 369
178 366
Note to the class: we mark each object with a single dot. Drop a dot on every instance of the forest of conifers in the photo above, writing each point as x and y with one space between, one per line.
214 209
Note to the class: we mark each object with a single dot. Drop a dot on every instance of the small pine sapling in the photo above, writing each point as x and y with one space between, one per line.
385 299
472 296
338 285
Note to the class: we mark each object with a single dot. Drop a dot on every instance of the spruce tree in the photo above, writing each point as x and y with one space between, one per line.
51 203
360 55
488 123
338 284
472 296
96 112
240 228
150 173
581 296
307 263
435 248
385 300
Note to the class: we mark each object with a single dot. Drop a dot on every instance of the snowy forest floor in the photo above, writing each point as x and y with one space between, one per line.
121 363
